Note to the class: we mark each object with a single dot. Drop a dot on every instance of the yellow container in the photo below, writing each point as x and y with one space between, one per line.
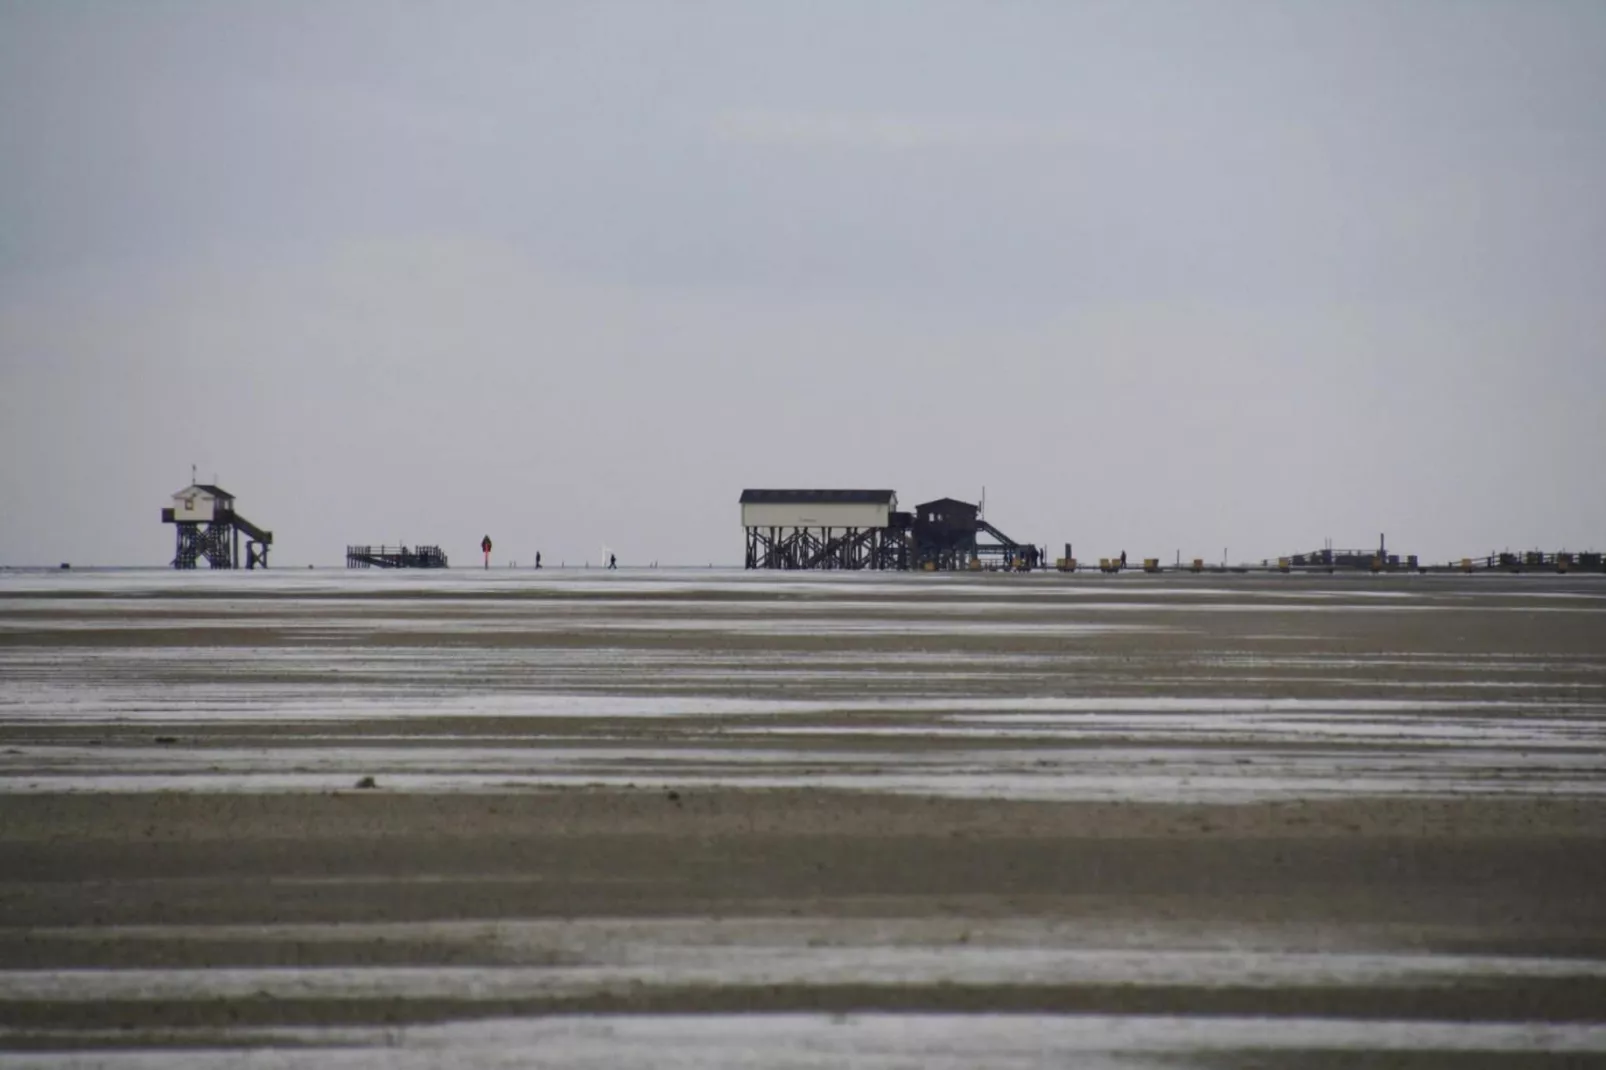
1283 564
1198 564
1104 564
1466 564
1377 564
1151 564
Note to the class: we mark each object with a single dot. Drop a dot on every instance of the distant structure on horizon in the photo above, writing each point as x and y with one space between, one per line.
818 529
207 526
396 557
863 529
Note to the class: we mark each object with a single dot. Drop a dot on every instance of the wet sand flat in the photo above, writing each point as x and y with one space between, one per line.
1139 814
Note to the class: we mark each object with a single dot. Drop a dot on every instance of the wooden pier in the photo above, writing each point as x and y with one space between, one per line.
395 557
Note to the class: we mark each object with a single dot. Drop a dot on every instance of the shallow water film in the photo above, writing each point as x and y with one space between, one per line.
712 818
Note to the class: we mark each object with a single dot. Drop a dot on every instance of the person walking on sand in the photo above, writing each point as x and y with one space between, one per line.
1123 559
613 561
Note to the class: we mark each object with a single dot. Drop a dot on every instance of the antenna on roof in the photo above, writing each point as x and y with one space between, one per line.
981 509
192 475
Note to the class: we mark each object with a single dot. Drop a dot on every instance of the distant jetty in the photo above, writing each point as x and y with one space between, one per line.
395 557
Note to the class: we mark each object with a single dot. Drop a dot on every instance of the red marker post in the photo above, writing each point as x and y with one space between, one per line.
485 544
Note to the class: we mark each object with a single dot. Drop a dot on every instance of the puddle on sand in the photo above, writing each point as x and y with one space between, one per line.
757 966
833 1042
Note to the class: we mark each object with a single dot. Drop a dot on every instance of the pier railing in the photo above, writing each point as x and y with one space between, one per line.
395 557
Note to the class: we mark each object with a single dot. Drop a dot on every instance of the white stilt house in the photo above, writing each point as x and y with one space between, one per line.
208 527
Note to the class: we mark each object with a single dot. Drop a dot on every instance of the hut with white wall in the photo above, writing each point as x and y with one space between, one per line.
208 528
824 529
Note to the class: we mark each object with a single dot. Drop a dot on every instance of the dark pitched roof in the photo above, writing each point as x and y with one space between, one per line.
211 488
798 497
924 506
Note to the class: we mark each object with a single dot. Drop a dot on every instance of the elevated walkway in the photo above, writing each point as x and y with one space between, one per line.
1012 554
395 557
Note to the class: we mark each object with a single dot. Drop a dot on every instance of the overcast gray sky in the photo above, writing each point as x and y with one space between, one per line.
1162 276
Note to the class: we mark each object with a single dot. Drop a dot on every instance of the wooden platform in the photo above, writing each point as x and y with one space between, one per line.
395 557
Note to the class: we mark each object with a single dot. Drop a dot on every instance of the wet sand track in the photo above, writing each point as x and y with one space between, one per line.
628 819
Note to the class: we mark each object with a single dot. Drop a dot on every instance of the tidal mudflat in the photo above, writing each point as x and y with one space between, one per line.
711 818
